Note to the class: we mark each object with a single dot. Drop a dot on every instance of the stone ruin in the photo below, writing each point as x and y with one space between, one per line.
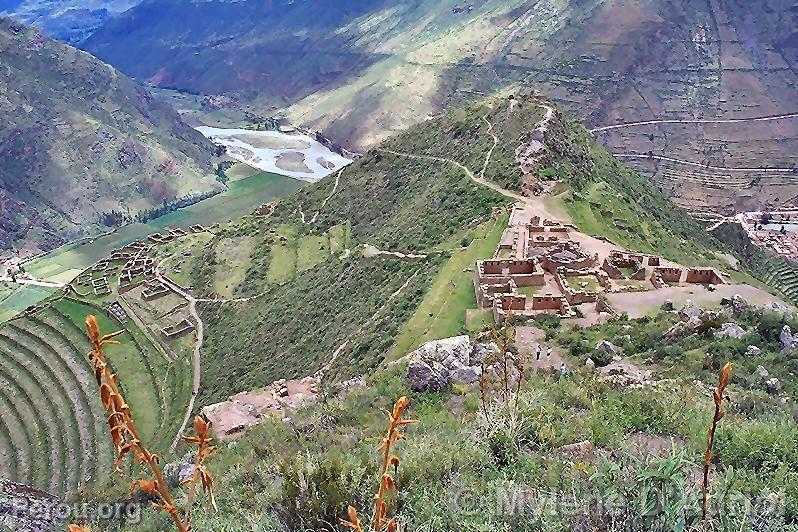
247 409
535 258
177 330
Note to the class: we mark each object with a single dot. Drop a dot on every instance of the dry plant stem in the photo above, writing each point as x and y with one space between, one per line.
387 488
718 397
121 418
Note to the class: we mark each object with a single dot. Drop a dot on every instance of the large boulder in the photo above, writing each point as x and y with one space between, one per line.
607 347
752 351
690 310
788 341
437 363
730 330
451 352
466 374
176 473
738 305
427 376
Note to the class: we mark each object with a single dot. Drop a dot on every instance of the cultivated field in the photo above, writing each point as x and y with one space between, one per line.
243 197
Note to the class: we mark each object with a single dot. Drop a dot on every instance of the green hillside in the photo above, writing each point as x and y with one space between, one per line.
396 200
83 147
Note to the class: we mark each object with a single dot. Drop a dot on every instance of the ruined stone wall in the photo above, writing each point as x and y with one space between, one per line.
656 279
669 275
547 302
703 276
612 270
529 279
513 302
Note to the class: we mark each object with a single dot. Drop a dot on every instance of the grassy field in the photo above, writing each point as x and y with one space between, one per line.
243 196
141 370
232 256
442 313
14 299
311 251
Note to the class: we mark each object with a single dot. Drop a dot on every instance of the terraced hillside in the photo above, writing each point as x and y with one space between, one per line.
53 433
773 269
386 246
53 427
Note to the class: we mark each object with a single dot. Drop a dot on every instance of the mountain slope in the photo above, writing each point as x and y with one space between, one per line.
343 68
301 302
82 145
69 21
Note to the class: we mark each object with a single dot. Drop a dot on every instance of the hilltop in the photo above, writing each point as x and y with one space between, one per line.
306 307
83 146
361 71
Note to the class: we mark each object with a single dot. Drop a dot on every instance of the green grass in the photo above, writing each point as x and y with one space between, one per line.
591 283
477 320
242 198
137 375
312 250
529 291
241 171
442 313
232 256
20 297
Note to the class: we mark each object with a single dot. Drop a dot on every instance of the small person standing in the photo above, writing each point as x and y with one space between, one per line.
548 352
563 371
537 352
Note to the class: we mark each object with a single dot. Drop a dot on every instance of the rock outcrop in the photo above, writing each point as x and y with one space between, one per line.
623 374
730 330
436 364
787 339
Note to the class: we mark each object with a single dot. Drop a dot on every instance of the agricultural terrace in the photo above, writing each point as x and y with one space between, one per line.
43 362
243 196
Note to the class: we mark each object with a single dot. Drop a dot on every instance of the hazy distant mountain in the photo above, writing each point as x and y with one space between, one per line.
80 141
67 20
361 69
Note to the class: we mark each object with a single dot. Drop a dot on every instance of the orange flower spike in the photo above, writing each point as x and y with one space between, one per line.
200 427
354 520
149 487
77 528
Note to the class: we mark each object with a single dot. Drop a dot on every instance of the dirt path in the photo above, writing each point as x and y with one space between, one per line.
490 151
695 121
197 360
32 282
527 339
504 192
341 348
323 203
373 251
700 165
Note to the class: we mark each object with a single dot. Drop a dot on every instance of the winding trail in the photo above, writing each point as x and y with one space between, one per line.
197 362
374 251
695 121
534 202
323 203
479 180
490 151
341 348
699 165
